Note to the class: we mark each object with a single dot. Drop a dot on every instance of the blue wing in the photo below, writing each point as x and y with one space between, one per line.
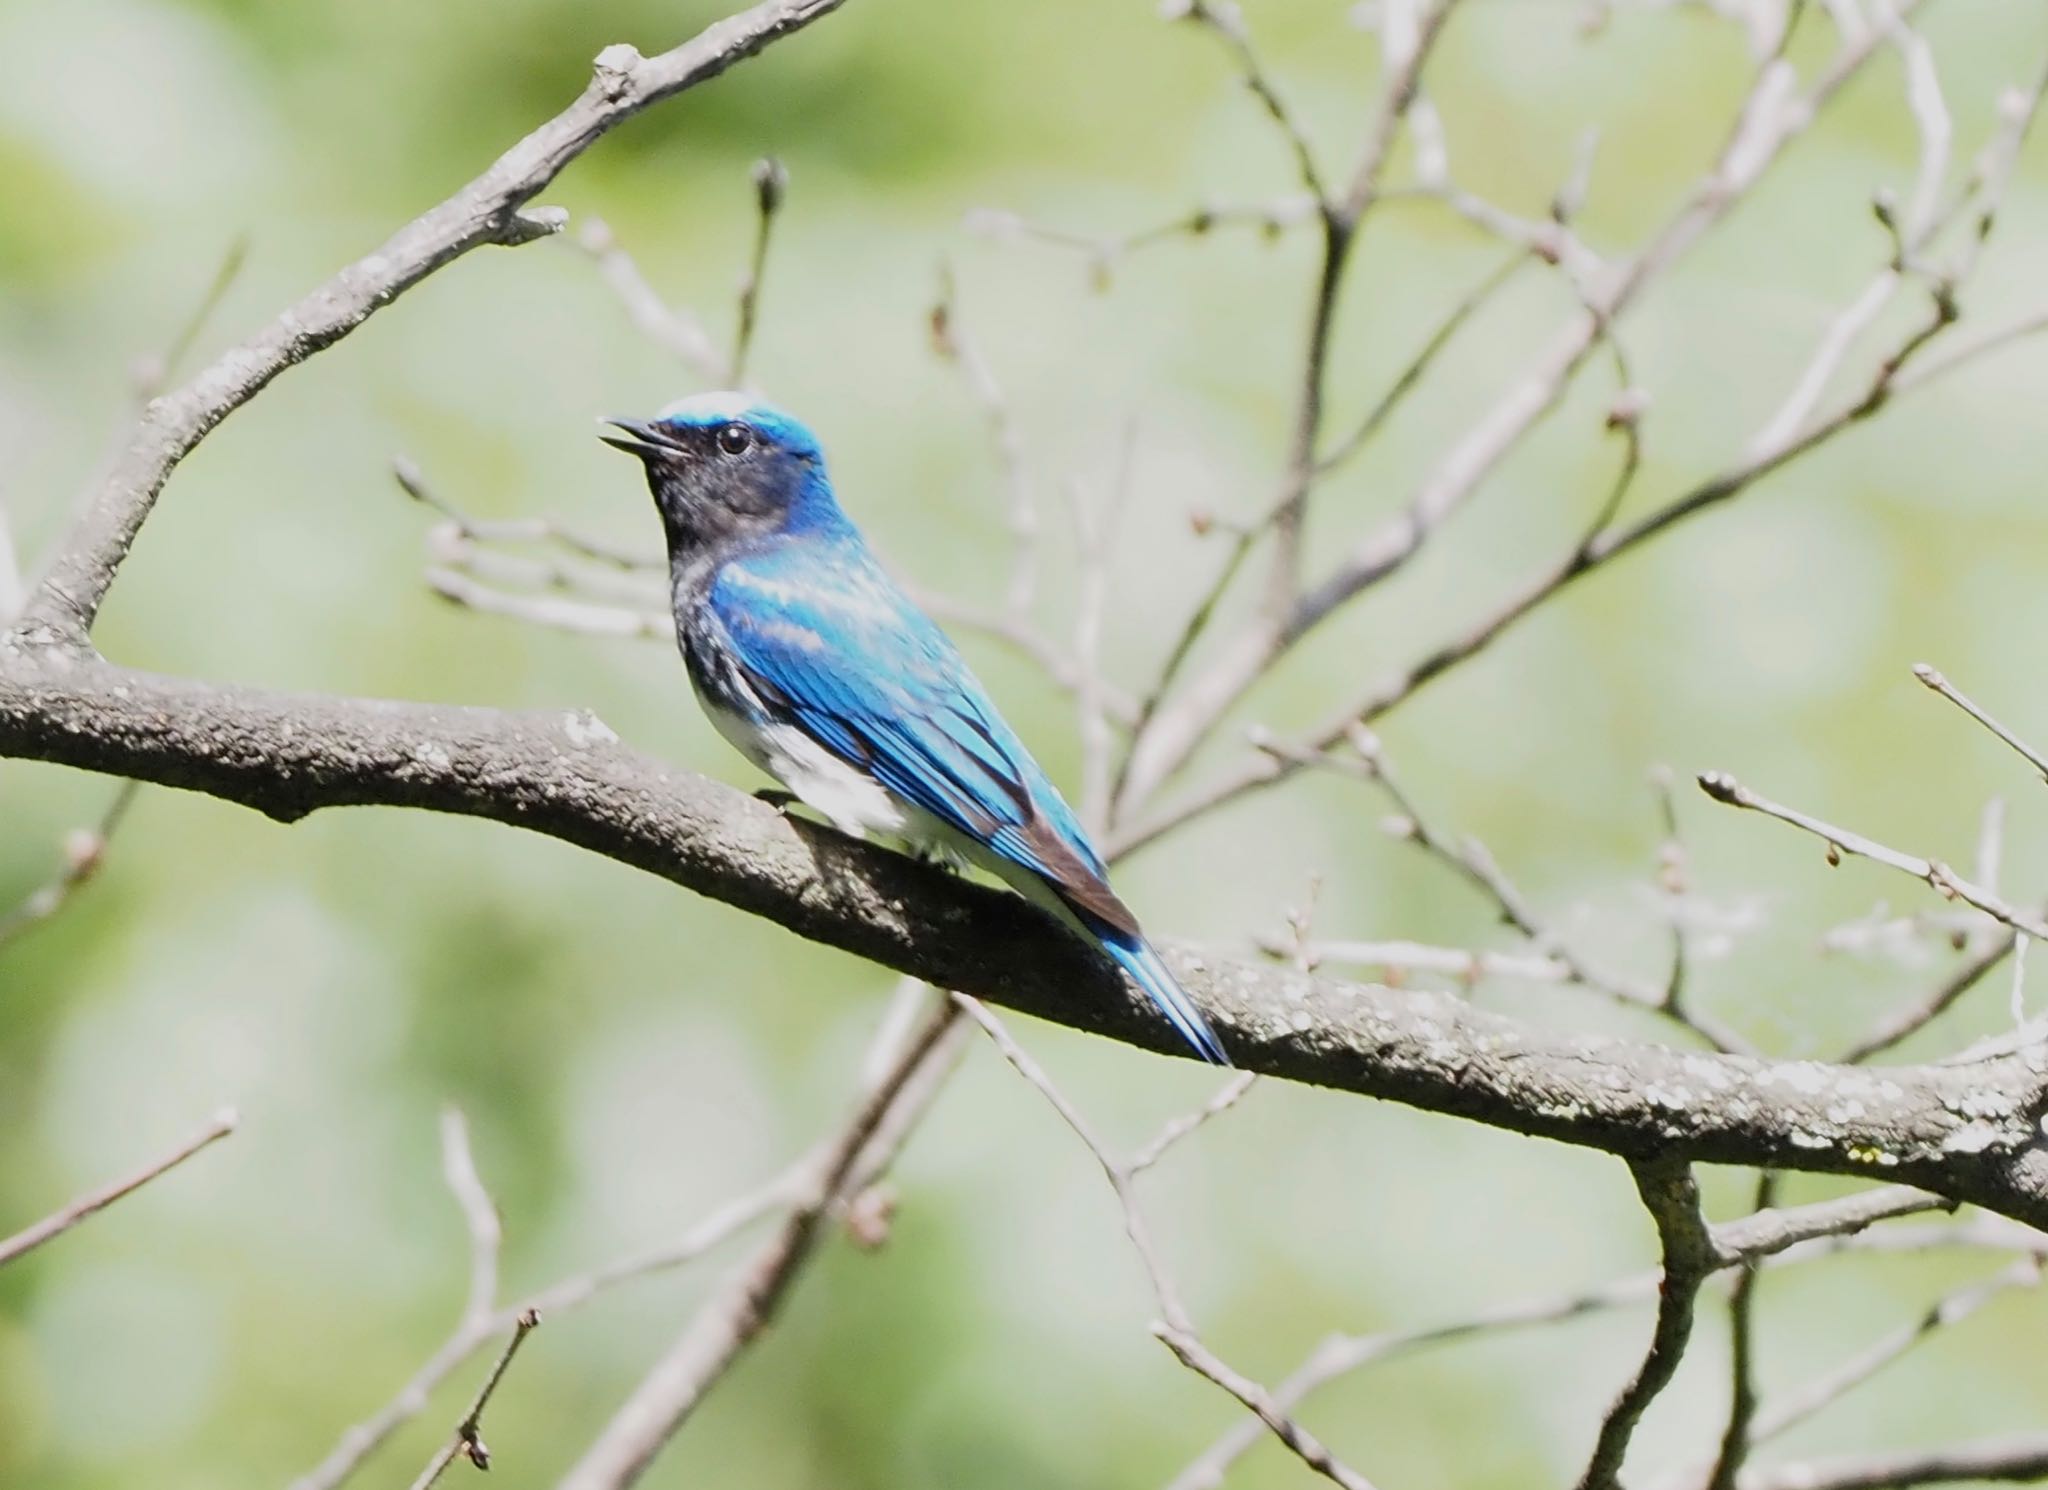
830 644
827 642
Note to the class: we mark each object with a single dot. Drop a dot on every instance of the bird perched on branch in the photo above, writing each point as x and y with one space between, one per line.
811 660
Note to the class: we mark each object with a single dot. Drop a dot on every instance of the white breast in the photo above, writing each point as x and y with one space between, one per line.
850 799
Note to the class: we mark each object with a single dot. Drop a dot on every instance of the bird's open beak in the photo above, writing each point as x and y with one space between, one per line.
643 438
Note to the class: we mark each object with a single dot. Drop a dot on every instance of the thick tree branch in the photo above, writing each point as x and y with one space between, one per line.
1965 1131
1673 1200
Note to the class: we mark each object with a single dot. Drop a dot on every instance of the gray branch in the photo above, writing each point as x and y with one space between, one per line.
1672 1197
1967 1132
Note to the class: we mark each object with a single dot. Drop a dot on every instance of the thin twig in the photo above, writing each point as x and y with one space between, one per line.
1800 1234
1795 1406
1118 1174
1198 1358
1410 377
675 331
151 373
1941 685
1062 668
1735 1431
1945 881
468 1437
1105 252
1409 30
1227 1096
1223 19
1671 883
1898 1025
1765 1233
1174 1329
552 611
358 1442
953 344
85 851
479 1214
1471 860
1913 228
1467 965
95 1201
1095 524
602 553
614 591
744 1304
771 186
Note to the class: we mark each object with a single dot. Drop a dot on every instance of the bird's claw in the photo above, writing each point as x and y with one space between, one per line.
777 798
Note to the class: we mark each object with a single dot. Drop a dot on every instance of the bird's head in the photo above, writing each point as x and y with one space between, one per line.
724 467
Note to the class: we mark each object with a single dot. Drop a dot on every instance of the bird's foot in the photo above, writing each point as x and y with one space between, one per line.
777 798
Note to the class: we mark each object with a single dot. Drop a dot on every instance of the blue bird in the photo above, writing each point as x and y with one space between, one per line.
811 660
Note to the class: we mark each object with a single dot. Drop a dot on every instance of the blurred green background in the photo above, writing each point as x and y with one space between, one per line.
630 1055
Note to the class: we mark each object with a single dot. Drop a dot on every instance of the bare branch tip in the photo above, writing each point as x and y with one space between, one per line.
410 478
1722 787
771 184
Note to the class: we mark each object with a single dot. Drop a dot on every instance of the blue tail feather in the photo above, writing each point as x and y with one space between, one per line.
1136 957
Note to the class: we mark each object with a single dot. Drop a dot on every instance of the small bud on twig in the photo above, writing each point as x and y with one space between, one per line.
870 1216
1721 787
1628 408
1361 737
771 184
84 849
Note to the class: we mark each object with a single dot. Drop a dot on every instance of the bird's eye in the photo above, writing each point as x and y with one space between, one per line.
735 439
